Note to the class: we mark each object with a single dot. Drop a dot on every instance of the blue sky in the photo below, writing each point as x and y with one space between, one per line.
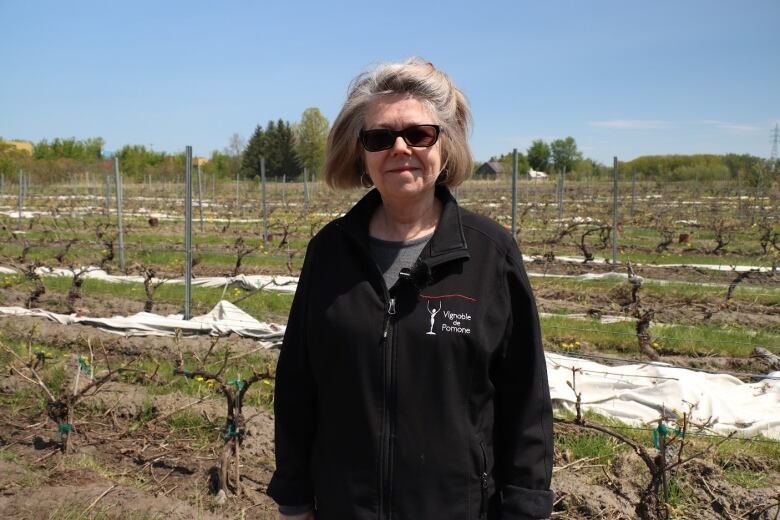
624 78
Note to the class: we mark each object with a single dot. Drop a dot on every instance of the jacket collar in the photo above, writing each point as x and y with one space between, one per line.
447 243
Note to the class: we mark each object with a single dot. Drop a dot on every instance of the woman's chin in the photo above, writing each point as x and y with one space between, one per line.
405 189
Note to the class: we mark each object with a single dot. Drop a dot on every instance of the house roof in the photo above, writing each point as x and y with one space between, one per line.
491 167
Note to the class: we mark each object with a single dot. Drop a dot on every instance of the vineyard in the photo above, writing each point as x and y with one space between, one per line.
105 425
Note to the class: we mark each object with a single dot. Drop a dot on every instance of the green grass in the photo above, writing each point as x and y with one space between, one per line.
762 295
562 333
558 330
265 306
759 447
75 510
746 478
193 426
170 260
587 445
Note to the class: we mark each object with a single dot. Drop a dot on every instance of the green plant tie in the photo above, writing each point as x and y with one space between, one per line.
231 432
663 431
40 356
64 428
83 365
239 384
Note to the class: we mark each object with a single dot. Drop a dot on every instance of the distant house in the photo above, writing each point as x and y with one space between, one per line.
199 161
23 146
489 170
535 175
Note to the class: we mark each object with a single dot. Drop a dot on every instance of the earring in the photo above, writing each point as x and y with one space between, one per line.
365 180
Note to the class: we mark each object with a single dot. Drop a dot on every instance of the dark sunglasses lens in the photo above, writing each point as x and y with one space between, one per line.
375 140
424 135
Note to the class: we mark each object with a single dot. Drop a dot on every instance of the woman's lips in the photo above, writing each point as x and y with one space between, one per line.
402 169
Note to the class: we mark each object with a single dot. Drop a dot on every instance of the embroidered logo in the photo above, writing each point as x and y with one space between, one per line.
433 312
458 322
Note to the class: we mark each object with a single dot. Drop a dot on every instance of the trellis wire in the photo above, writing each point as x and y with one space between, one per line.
688 433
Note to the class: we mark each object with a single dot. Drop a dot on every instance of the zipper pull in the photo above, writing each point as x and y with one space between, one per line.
484 481
391 309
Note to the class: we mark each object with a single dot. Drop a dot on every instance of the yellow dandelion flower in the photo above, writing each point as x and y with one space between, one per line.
199 379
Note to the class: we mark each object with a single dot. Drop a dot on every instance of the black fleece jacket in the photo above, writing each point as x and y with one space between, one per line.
427 400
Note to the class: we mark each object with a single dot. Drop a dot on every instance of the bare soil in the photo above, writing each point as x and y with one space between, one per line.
128 464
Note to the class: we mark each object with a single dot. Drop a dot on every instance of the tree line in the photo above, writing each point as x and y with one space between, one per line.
563 156
288 149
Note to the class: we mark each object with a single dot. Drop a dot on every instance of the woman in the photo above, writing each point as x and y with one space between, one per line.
412 382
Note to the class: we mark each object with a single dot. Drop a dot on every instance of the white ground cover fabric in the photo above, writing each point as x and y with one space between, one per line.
636 394
597 260
224 318
249 282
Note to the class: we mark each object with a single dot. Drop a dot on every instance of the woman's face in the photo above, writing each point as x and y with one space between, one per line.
402 171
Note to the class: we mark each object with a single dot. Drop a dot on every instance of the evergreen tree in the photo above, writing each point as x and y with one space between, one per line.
277 144
250 164
289 163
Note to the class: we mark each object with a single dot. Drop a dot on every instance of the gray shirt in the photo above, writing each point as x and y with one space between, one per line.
392 256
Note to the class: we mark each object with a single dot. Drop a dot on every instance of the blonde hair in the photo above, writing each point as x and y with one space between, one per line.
414 77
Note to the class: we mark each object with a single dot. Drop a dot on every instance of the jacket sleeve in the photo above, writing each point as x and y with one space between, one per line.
523 432
295 401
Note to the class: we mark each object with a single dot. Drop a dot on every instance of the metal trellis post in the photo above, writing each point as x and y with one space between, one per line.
120 231
188 234
614 210
265 206
200 197
514 192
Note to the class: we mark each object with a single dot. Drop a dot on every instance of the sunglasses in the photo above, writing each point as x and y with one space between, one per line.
419 136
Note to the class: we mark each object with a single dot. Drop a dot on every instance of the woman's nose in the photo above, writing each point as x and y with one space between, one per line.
400 146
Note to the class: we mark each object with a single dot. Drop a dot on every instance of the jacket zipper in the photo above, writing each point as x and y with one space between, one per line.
385 471
484 482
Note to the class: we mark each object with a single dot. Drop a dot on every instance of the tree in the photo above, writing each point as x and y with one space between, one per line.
250 163
277 145
235 145
234 150
220 164
135 161
87 150
564 154
539 155
507 160
289 164
312 136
